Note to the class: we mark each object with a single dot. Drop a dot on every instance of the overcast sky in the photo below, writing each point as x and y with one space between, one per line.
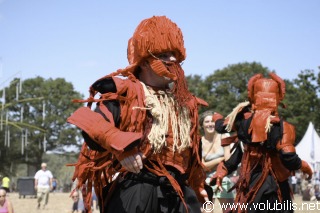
83 40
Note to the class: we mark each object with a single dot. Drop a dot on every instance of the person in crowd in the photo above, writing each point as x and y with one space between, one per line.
94 203
54 184
144 129
304 183
294 184
5 183
212 154
265 147
77 205
298 186
5 204
317 192
308 193
43 185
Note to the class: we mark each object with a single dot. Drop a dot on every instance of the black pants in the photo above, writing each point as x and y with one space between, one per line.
267 200
145 192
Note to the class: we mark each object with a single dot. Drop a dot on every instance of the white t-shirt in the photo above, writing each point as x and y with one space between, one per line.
293 180
43 178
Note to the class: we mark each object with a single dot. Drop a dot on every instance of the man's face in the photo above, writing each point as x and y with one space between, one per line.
75 197
155 72
167 57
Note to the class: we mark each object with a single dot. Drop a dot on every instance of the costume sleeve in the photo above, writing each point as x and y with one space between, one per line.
220 127
100 127
197 180
114 109
232 163
285 146
222 123
227 167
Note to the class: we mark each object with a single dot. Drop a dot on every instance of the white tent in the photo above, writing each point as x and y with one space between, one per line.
309 148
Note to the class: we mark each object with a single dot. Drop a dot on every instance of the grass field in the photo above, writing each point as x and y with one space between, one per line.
58 203
61 203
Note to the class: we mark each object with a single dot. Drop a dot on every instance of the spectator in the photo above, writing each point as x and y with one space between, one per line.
43 185
317 192
94 199
307 193
54 184
294 184
5 204
304 184
298 186
213 152
77 206
6 184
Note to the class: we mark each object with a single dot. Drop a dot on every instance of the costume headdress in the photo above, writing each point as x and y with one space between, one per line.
264 95
153 36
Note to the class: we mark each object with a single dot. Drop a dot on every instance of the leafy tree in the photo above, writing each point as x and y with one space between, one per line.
302 102
36 120
225 88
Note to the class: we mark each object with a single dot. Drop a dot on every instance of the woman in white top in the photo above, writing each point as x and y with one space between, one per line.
212 154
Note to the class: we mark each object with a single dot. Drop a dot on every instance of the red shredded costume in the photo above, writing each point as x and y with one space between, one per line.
265 149
129 119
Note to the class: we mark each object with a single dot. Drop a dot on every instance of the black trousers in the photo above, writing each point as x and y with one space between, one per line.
145 192
267 200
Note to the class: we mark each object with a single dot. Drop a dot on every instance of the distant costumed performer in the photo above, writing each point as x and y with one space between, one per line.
265 148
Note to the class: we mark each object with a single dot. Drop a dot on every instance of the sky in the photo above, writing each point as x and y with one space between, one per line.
84 40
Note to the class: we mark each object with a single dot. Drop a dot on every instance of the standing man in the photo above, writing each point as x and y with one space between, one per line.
142 141
43 185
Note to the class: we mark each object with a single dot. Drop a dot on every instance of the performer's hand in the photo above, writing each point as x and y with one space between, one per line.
219 186
306 169
216 179
204 194
133 163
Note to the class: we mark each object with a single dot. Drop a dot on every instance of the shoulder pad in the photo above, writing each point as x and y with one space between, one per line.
105 85
289 129
289 136
201 102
